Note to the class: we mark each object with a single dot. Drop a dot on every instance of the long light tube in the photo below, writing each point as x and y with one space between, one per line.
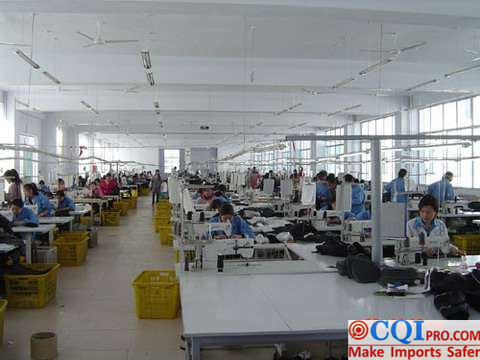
27 59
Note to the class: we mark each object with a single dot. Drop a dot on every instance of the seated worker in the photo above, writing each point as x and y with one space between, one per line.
22 215
215 205
240 229
358 195
397 186
442 190
34 197
324 192
61 185
65 204
432 229
44 189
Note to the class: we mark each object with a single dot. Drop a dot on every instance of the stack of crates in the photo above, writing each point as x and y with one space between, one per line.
122 205
32 291
72 248
144 191
111 217
469 243
162 222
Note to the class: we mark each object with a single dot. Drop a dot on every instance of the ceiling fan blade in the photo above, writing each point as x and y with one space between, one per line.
412 47
119 41
14 44
85 36
476 59
90 45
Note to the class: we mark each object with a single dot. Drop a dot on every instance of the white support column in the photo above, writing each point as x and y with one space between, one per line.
377 247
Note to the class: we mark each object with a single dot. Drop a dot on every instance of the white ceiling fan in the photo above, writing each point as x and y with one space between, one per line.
98 40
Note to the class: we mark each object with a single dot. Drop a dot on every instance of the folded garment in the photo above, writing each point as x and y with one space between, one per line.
452 305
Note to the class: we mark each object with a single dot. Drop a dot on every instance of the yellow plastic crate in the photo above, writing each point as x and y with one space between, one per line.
124 206
71 252
74 235
163 220
111 217
144 191
133 203
157 294
469 243
86 220
134 192
32 291
3 307
166 239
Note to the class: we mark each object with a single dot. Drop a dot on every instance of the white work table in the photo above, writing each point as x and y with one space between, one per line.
57 220
29 231
271 309
91 201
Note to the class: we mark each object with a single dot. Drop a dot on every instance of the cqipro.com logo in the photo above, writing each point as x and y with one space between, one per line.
358 330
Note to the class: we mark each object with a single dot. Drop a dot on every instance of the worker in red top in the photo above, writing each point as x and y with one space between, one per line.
110 186
103 185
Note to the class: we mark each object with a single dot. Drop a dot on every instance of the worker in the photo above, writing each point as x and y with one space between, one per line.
442 190
239 228
358 195
110 185
432 229
156 185
61 185
34 197
323 194
44 189
322 175
22 215
397 186
15 188
64 202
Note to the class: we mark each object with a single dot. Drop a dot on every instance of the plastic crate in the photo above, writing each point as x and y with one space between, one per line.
157 294
469 243
144 191
111 217
32 291
133 203
71 252
86 220
3 307
166 239
134 192
124 205
162 220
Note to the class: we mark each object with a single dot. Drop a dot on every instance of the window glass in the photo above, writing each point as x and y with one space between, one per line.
172 159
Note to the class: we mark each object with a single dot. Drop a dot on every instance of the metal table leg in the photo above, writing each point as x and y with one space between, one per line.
28 247
195 348
50 238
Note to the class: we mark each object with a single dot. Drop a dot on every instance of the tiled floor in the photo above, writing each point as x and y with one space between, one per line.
93 314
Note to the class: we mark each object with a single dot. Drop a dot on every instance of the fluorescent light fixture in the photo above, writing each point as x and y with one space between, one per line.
335 113
147 64
27 59
353 154
461 71
343 83
375 66
22 103
352 107
87 105
434 81
51 77
289 109
150 78
156 104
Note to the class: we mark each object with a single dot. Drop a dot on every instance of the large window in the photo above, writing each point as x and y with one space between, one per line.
172 160
382 126
59 141
334 148
28 160
438 156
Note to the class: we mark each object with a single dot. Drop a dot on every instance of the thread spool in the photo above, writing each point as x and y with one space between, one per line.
43 346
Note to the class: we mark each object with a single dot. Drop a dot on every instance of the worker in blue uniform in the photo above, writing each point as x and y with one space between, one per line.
358 195
397 186
442 190
22 215
239 228
64 202
325 191
34 197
